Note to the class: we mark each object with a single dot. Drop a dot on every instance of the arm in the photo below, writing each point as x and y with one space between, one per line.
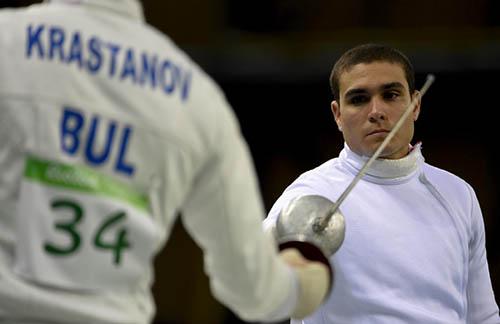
482 307
223 214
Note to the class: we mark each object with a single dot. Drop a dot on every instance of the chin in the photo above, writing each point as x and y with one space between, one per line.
395 154
386 154
369 151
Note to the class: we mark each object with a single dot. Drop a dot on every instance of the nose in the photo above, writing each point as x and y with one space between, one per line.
377 111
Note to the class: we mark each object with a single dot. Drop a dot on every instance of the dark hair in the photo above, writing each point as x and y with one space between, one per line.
368 53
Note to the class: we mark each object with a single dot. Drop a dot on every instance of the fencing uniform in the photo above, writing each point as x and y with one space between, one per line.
414 248
107 132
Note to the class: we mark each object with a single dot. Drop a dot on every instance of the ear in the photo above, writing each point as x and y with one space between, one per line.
336 114
416 110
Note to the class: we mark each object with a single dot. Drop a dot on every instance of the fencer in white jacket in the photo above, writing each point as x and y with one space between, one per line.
414 247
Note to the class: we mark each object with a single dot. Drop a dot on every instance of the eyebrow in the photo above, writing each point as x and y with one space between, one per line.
392 85
355 91
386 86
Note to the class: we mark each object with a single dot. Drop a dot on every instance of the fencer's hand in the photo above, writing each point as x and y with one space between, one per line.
314 280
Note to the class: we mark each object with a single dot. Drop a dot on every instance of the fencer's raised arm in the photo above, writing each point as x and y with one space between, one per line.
223 213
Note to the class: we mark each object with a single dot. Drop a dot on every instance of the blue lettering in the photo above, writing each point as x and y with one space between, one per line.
168 76
91 54
56 42
148 71
34 41
96 158
121 164
129 66
114 49
75 50
71 125
95 55
186 86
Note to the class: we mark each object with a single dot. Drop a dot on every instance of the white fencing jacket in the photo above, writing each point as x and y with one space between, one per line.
414 248
107 132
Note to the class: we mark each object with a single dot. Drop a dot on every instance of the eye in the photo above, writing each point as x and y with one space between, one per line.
391 95
358 100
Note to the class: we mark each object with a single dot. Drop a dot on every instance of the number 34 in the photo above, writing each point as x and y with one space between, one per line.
70 229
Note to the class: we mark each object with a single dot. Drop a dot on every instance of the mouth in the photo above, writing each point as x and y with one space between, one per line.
378 131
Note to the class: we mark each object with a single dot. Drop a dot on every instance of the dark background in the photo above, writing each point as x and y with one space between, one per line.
272 58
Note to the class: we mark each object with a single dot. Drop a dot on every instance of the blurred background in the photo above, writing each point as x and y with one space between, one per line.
272 58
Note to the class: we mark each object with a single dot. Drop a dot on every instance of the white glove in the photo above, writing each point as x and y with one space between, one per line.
314 281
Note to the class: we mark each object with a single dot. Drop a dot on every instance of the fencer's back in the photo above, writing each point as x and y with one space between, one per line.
105 125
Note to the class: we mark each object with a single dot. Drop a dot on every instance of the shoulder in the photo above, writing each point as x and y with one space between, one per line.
318 180
206 98
12 16
457 194
446 180
326 180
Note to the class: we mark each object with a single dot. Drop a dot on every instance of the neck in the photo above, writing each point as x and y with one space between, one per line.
385 168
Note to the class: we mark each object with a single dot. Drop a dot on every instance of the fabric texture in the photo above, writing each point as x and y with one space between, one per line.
414 248
108 131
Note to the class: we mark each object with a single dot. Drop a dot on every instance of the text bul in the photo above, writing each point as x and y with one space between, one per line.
75 137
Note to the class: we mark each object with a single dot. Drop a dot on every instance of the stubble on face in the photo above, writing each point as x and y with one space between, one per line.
373 96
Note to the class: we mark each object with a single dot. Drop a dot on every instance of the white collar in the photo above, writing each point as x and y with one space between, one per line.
385 168
127 8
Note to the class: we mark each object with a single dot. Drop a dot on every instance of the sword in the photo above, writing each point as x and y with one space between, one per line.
320 225
327 232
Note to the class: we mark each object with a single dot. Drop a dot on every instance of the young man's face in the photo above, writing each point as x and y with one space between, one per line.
372 98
